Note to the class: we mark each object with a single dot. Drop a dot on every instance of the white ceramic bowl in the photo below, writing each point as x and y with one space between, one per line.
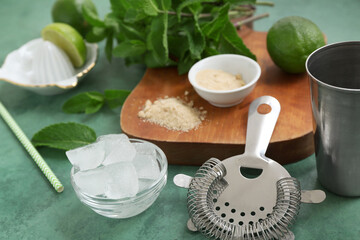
231 63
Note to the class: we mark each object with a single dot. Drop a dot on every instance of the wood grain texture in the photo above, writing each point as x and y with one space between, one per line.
223 132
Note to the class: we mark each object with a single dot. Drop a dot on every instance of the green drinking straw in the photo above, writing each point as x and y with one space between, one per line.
31 149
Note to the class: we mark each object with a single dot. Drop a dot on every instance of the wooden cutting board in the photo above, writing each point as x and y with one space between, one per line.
222 134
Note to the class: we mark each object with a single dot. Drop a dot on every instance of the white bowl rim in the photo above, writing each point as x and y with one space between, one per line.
247 85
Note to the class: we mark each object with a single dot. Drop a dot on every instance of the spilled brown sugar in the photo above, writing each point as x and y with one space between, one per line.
172 113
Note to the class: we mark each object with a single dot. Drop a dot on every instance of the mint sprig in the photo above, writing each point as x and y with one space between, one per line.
115 98
92 102
162 33
88 102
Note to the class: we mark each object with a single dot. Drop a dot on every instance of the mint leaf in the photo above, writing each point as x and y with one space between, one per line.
232 43
178 45
64 136
164 4
110 21
93 107
134 15
132 31
149 7
129 48
88 102
209 51
116 98
91 16
109 47
213 29
185 63
195 38
96 34
196 9
151 61
120 7
157 41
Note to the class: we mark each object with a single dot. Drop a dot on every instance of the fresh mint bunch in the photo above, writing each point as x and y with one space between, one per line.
161 33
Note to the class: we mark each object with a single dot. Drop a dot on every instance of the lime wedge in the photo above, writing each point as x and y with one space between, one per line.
68 39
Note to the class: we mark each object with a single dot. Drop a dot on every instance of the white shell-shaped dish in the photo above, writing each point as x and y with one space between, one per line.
41 67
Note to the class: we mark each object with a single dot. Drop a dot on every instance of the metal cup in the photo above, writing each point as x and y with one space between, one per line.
334 74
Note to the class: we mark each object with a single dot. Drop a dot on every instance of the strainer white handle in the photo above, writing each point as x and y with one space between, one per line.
260 126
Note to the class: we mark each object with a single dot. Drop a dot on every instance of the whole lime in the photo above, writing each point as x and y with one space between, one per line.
70 12
291 40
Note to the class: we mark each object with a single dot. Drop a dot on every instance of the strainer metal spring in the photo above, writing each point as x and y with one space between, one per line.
208 184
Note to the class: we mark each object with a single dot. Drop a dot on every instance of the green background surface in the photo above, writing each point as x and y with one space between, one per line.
31 209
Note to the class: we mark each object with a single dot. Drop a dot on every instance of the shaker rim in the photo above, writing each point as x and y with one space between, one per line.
323 48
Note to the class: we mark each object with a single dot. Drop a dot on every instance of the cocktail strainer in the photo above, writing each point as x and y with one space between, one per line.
247 196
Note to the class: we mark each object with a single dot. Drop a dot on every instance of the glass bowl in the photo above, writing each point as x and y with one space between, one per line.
130 206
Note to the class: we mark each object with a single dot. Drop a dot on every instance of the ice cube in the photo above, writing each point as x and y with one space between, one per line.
110 139
145 148
123 180
92 182
117 148
87 157
145 161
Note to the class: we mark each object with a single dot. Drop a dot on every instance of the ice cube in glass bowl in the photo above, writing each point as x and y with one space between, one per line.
128 206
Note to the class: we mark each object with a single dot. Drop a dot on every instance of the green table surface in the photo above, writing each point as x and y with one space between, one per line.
31 209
